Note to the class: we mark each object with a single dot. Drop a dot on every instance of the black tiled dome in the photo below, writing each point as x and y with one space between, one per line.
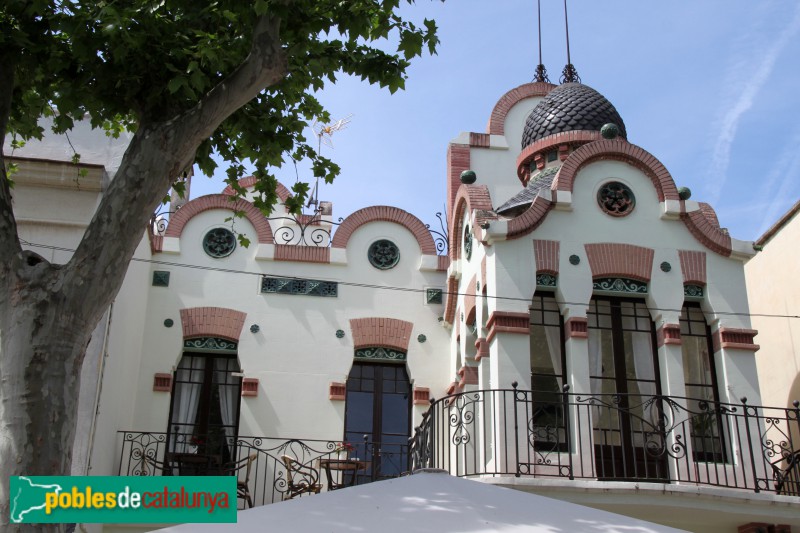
570 107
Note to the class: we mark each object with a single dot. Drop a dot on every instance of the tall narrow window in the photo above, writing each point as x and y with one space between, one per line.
547 374
623 374
378 407
700 377
204 413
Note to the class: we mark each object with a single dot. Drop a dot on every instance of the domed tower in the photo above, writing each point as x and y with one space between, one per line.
569 116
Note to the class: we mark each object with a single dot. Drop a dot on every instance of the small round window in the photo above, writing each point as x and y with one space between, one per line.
383 254
616 199
219 242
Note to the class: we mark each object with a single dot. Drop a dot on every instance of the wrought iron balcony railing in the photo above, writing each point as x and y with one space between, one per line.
612 437
265 476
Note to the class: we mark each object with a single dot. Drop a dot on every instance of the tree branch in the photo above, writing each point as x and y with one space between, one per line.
157 154
9 240
265 65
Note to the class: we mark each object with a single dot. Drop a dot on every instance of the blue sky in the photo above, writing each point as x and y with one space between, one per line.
711 88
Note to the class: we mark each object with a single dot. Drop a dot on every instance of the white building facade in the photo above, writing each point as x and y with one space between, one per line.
586 336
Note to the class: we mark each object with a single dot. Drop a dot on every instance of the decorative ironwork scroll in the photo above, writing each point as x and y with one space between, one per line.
620 285
213 344
305 287
693 291
440 237
546 280
380 354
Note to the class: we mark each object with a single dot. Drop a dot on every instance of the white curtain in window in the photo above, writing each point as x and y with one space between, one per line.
595 360
643 362
188 384
553 335
227 400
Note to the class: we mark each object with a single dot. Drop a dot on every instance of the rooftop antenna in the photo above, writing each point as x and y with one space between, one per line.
541 72
570 73
324 134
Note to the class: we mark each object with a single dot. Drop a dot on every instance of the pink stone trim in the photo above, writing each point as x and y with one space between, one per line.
337 391
619 150
734 338
156 242
305 254
483 275
212 322
669 334
443 263
479 140
468 199
383 332
545 255
162 382
707 233
625 260
693 266
530 219
507 322
453 388
422 395
469 301
468 375
497 120
483 348
451 297
458 160
709 213
384 213
250 387
223 202
563 141
577 328
280 189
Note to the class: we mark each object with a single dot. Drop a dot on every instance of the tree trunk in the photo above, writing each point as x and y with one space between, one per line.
43 341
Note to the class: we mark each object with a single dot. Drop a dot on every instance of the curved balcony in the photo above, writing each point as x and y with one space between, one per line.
612 437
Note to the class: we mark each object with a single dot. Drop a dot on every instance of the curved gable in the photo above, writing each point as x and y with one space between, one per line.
384 213
497 121
219 201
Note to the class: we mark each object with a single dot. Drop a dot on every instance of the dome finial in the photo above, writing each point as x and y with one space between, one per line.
570 73
541 72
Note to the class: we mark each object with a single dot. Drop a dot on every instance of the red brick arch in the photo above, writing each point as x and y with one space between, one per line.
468 199
220 201
212 322
384 213
497 121
383 332
608 259
619 150
249 181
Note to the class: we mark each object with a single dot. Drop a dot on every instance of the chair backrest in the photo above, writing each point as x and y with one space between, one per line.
298 474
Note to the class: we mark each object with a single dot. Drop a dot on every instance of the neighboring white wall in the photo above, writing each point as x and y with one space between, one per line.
773 286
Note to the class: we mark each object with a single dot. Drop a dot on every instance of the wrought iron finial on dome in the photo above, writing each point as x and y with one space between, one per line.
570 73
541 72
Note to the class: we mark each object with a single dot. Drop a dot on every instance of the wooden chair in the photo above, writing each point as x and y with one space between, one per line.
301 479
243 485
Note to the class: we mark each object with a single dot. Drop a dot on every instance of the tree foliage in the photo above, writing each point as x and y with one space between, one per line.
124 63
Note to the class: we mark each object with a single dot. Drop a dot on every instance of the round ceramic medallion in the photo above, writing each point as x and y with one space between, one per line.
383 254
616 199
219 242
